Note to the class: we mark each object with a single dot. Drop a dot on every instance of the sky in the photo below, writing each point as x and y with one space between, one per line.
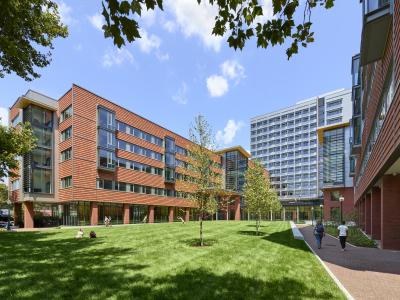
178 70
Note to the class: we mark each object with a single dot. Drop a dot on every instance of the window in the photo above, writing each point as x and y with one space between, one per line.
335 196
16 120
66 114
66 154
66 182
106 159
15 185
139 133
66 134
106 118
139 150
106 139
181 150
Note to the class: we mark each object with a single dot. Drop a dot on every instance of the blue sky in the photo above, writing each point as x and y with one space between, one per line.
178 70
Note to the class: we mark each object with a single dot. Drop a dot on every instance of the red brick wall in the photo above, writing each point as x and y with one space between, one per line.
387 147
348 203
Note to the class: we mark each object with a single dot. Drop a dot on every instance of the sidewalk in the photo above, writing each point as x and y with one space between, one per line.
367 273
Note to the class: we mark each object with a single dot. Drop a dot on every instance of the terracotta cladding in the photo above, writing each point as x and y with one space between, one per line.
13 113
83 166
388 141
64 102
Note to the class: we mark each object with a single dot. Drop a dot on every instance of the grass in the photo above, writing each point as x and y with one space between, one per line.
354 236
159 262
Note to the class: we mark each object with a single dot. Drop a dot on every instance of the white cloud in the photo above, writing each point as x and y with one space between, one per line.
232 69
227 135
148 16
4 116
162 56
148 42
169 25
97 21
117 57
181 95
65 13
217 85
196 20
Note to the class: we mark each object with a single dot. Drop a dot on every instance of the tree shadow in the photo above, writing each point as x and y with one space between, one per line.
252 232
286 238
253 225
195 242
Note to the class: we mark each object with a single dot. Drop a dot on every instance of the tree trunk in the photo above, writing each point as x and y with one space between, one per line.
201 231
257 223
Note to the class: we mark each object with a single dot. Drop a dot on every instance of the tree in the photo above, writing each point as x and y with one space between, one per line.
3 193
241 20
14 142
25 27
37 22
207 181
259 196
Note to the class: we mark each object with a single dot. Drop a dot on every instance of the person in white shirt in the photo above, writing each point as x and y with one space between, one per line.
343 229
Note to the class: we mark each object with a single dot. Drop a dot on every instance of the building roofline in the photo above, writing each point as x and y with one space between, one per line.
300 103
234 148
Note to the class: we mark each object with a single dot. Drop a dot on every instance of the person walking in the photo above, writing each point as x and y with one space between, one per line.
343 229
319 233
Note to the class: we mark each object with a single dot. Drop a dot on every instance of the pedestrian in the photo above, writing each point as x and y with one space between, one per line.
106 221
79 235
343 229
319 233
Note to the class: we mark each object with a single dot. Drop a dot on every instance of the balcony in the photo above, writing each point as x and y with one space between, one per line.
377 20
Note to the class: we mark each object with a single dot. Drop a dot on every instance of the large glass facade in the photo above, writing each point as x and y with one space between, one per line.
46 215
106 141
161 214
111 210
170 162
37 165
138 213
76 213
333 157
236 166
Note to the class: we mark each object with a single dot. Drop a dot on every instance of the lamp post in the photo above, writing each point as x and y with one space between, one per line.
321 206
312 215
341 199
9 212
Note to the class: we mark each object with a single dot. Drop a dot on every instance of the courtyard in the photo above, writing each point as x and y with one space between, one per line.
160 261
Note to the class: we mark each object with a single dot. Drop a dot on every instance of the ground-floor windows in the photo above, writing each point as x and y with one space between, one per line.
161 214
110 210
46 215
76 213
138 214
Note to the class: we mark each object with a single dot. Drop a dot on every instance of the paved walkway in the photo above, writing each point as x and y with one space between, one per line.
366 273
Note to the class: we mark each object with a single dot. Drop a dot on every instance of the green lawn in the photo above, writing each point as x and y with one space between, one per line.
158 261
355 236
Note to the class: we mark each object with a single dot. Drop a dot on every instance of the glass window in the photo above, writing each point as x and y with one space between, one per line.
41 181
106 158
170 159
169 174
106 139
106 118
66 134
43 135
16 120
41 157
169 145
66 154
66 114
41 117
66 182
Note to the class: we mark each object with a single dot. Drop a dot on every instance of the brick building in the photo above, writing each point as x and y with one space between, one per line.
376 123
96 159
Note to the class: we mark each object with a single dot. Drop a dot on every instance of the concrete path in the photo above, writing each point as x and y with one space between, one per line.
367 273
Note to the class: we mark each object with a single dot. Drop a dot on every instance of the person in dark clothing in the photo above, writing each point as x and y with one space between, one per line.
319 233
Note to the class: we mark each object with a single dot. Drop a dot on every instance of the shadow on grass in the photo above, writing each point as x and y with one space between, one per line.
62 268
253 225
252 232
196 242
285 238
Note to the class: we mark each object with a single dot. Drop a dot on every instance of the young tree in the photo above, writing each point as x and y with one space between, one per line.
26 27
208 183
14 142
259 196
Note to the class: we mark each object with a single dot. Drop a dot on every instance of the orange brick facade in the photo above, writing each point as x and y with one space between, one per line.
82 167
377 179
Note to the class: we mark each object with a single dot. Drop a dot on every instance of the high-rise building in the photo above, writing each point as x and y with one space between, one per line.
376 123
95 158
286 142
